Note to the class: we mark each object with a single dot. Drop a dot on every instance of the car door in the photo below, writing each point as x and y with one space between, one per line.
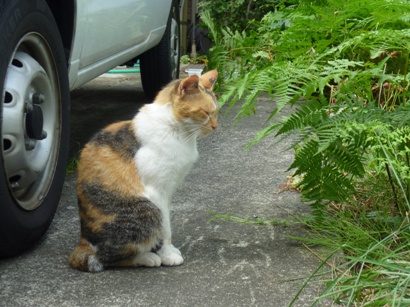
114 26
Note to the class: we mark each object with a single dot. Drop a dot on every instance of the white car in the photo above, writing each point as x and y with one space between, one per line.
47 48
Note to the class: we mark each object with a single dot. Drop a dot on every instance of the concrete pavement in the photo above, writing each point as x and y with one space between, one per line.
226 264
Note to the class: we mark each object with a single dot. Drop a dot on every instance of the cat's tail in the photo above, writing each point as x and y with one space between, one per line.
84 258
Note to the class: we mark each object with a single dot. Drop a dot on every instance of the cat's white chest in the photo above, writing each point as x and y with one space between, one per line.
165 157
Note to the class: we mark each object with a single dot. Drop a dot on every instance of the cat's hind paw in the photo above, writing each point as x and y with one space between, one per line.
148 260
94 265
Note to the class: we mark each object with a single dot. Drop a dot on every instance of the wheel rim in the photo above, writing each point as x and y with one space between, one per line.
31 123
174 45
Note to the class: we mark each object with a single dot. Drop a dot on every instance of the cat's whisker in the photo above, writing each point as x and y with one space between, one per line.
191 133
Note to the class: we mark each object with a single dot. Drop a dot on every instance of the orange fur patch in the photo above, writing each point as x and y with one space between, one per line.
194 99
79 257
104 165
167 93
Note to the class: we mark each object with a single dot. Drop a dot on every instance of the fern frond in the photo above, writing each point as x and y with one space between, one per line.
347 159
321 180
307 115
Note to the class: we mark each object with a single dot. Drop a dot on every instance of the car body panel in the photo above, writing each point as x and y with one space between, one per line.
129 28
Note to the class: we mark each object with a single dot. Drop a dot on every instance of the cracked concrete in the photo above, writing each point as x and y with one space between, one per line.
226 264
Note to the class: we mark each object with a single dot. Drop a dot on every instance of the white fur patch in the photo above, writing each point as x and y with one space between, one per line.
170 255
94 265
147 259
166 155
168 151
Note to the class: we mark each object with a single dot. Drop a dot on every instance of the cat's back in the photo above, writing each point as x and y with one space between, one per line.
108 159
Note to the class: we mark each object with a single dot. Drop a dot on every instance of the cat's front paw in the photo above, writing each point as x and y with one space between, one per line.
170 256
172 259
175 250
148 260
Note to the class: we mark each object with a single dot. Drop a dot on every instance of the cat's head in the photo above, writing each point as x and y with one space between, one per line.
194 103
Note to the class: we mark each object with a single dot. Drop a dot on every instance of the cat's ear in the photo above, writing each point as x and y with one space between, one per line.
188 85
208 79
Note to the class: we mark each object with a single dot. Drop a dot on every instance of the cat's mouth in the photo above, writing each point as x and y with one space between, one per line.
205 131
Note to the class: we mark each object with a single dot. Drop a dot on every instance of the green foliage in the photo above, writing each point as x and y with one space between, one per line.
72 165
185 59
375 272
238 13
344 67
336 145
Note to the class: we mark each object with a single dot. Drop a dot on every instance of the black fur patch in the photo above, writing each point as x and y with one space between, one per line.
157 246
137 220
122 141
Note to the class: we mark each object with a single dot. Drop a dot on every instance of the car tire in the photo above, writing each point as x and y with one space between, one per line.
160 65
34 126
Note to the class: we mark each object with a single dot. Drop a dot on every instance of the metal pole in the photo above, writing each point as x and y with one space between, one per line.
193 47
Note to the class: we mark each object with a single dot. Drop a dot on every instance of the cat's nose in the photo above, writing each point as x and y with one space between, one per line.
214 124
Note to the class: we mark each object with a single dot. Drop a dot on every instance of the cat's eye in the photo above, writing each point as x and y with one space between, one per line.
205 114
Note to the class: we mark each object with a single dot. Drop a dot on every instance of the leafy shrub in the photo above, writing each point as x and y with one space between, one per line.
237 14
344 67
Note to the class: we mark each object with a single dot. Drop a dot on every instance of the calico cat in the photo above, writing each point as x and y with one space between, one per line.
129 171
